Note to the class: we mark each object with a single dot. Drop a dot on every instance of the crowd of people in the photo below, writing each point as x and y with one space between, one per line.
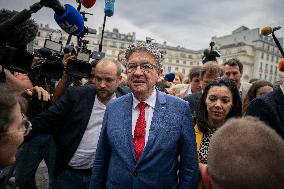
131 125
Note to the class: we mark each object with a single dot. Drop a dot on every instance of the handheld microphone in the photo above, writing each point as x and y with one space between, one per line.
71 21
88 3
109 7
67 17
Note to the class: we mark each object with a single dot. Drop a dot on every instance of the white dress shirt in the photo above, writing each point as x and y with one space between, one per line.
189 92
85 153
149 110
282 89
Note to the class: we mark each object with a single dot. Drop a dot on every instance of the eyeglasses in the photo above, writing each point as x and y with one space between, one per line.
26 126
145 67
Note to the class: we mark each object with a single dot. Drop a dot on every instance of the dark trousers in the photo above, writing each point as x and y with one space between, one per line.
73 179
29 157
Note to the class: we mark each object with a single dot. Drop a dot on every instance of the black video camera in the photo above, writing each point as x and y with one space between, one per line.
51 67
210 55
15 59
79 67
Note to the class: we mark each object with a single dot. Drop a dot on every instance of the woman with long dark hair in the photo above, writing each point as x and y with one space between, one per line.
220 101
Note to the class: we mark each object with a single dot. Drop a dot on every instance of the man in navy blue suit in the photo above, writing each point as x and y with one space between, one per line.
147 138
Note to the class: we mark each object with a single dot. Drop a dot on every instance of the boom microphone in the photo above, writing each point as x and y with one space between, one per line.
109 7
266 31
19 35
55 5
88 3
71 21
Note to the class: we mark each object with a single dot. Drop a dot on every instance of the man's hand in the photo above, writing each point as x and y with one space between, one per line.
40 92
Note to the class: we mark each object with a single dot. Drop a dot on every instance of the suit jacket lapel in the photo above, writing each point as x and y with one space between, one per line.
128 123
157 122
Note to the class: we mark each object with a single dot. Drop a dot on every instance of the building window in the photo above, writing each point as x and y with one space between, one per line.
184 62
265 77
169 68
191 63
114 44
177 61
183 71
262 55
260 67
271 69
272 58
267 57
176 68
113 52
260 76
114 35
266 68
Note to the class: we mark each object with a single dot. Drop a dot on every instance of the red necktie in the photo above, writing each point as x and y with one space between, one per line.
140 131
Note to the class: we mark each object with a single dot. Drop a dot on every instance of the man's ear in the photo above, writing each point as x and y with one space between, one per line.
205 176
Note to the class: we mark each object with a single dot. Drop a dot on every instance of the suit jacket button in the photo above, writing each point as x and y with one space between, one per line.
135 173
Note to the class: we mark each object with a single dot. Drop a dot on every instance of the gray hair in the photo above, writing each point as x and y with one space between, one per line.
149 47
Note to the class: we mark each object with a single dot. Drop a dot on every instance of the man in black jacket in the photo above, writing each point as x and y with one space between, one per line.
270 109
75 122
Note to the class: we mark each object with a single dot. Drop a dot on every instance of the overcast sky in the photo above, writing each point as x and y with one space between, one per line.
188 23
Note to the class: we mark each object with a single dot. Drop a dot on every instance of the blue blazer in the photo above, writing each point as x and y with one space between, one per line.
169 159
